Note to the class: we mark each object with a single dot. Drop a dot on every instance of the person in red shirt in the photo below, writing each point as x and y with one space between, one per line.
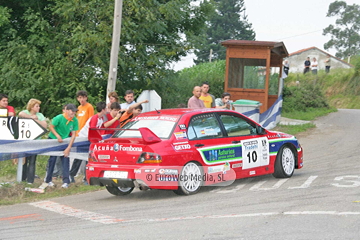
95 121
112 117
4 104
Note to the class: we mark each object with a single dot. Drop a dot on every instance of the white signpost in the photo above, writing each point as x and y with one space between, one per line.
12 128
23 129
154 100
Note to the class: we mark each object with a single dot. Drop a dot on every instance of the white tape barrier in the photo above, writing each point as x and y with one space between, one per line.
10 149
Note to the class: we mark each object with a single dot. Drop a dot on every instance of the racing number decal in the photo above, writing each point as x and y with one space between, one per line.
253 157
255 152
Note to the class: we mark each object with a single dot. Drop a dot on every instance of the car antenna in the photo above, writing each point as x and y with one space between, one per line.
157 111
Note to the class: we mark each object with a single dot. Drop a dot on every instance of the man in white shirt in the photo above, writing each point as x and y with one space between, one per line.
129 98
314 66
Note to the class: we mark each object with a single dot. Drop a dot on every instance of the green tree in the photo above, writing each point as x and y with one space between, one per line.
49 49
345 34
228 21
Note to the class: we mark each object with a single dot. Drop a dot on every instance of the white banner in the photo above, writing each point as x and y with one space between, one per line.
10 149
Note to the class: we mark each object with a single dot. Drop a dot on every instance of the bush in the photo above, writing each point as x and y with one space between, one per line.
303 97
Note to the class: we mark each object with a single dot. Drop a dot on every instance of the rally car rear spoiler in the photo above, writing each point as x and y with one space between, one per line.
147 135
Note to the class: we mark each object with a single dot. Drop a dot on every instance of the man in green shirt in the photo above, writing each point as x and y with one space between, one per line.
60 128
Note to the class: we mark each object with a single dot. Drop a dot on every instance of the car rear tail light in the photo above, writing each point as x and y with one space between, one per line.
92 157
147 157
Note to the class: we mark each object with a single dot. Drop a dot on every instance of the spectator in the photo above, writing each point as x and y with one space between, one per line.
207 98
194 101
133 111
112 118
57 173
286 67
224 101
95 121
5 109
129 100
32 111
327 63
113 97
85 111
60 128
307 65
314 66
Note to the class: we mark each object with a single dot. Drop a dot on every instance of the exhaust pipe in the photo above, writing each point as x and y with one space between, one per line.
141 185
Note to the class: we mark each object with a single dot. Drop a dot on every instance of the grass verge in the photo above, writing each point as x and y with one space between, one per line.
309 115
294 129
12 192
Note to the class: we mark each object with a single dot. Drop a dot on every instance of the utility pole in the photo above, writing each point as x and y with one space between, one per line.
115 44
210 55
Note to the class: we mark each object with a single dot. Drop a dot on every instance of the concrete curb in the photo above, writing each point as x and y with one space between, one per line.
289 121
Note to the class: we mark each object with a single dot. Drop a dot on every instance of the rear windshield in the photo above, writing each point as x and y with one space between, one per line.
162 126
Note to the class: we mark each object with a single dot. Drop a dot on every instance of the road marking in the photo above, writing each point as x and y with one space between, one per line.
322 213
100 218
73 212
233 189
334 213
13 219
276 185
354 183
306 184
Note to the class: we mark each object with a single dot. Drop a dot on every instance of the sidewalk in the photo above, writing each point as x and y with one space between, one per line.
289 121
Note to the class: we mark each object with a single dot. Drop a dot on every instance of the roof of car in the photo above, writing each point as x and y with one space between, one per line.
181 111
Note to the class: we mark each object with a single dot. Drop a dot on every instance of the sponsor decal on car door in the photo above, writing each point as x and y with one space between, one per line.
255 152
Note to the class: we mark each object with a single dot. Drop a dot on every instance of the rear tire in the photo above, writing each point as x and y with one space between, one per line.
190 180
119 191
285 163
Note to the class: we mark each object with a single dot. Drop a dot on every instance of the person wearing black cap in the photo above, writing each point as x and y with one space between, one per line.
60 128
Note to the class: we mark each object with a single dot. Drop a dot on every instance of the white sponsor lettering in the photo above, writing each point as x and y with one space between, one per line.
103 148
237 165
130 148
181 147
168 118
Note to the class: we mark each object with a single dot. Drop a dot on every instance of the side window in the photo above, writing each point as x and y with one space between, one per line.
236 126
204 126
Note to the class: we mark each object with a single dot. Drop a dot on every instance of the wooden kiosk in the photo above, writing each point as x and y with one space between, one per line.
253 70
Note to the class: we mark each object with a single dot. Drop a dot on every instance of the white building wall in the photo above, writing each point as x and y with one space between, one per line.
296 60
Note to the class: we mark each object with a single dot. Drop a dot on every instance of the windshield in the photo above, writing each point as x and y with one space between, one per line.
162 126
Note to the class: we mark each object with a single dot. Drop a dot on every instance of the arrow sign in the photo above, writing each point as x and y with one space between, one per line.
20 128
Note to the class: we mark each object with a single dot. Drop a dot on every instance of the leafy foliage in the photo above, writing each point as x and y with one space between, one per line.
49 49
303 97
178 88
228 21
345 34
341 87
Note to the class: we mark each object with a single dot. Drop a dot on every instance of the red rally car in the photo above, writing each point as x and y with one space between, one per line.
185 149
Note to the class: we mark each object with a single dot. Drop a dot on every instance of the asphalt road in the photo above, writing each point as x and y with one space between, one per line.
320 201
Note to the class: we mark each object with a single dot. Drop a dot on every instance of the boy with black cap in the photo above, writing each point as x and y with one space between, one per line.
60 128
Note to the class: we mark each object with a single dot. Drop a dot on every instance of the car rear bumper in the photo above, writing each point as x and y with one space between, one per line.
112 182
137 176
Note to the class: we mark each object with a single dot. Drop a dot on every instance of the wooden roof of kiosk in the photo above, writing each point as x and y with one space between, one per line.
248 70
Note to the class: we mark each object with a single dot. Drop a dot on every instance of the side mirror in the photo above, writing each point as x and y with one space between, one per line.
260 130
